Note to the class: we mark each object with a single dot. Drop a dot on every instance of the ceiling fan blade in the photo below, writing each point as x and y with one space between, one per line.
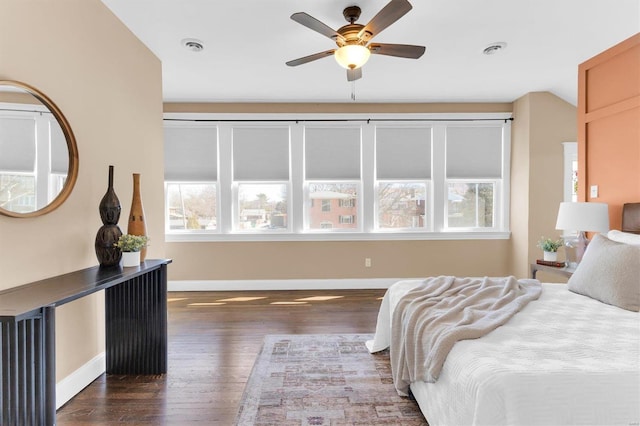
316 25
315 56
354 74
400 50
389 14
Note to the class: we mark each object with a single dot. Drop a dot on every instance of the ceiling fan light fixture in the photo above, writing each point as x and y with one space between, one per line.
352 56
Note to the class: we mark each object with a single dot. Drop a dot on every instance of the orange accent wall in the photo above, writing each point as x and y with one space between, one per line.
609 127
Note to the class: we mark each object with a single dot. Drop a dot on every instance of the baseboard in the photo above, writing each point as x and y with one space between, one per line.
248 285
71 385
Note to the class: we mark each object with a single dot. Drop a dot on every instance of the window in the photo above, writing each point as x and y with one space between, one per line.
347 220
402 205
470 205
403 172
262 206
473 171
570 171
394 176
332 174
17 192
191 206
191 174
331 195
349 202
32 176
261 178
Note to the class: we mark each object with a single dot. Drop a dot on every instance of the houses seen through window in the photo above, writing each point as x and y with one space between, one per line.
262 206
336 207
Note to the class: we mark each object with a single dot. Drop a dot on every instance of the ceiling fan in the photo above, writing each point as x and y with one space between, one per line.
353 40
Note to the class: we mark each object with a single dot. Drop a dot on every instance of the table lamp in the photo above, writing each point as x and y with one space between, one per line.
581 217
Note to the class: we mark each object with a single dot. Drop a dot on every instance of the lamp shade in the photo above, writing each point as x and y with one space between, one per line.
583 217
352 56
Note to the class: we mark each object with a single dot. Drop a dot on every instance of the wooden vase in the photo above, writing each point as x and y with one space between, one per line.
137 223
109 233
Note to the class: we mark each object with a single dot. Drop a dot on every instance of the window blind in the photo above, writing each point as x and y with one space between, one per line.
191 153
474 152
17 145
261 153
403 153
59 151
332 153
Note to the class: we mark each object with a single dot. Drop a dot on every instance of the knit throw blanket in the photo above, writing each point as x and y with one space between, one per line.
432 317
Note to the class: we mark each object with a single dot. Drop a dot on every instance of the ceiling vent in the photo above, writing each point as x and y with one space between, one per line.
494 48
192 44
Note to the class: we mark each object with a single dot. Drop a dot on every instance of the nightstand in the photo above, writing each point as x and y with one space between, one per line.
567 271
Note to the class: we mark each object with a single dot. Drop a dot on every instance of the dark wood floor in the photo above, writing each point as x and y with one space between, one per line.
213 344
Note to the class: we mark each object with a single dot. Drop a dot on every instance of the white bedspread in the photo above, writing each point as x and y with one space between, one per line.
564 359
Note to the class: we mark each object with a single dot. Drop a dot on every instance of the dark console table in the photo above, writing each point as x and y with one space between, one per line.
136 333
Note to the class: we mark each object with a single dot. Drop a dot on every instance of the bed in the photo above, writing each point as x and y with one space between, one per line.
566 358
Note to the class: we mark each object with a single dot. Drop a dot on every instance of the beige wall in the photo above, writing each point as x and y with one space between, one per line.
353 108
542 122
337 259
519 209
109 87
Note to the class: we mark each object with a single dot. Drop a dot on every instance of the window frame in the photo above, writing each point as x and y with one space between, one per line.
367 198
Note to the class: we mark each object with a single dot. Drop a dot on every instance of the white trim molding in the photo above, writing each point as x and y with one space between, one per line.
337 236
71 385
308 284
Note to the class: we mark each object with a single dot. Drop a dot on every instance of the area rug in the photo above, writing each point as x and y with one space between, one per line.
323 379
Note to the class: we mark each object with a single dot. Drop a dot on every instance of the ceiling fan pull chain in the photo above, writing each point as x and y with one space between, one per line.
353 90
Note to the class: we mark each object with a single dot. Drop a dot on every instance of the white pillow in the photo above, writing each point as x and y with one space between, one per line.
624 237
609 272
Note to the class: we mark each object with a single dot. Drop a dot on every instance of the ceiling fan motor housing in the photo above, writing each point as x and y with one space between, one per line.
351 31
349 35
351 13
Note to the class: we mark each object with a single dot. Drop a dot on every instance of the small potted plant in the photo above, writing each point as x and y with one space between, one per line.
550 248
130 245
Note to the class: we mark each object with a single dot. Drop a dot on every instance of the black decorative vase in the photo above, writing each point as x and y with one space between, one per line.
109 233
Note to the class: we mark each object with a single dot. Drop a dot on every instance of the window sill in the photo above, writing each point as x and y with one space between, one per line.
335 236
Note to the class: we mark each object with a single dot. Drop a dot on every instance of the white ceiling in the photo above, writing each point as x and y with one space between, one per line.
247 43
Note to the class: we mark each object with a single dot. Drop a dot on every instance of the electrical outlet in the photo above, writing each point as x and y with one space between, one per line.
367 262
594 191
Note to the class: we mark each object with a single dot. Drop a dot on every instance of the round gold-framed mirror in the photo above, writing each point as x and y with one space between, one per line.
38 152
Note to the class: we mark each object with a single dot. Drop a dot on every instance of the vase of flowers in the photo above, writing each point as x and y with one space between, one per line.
550 248
130 246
